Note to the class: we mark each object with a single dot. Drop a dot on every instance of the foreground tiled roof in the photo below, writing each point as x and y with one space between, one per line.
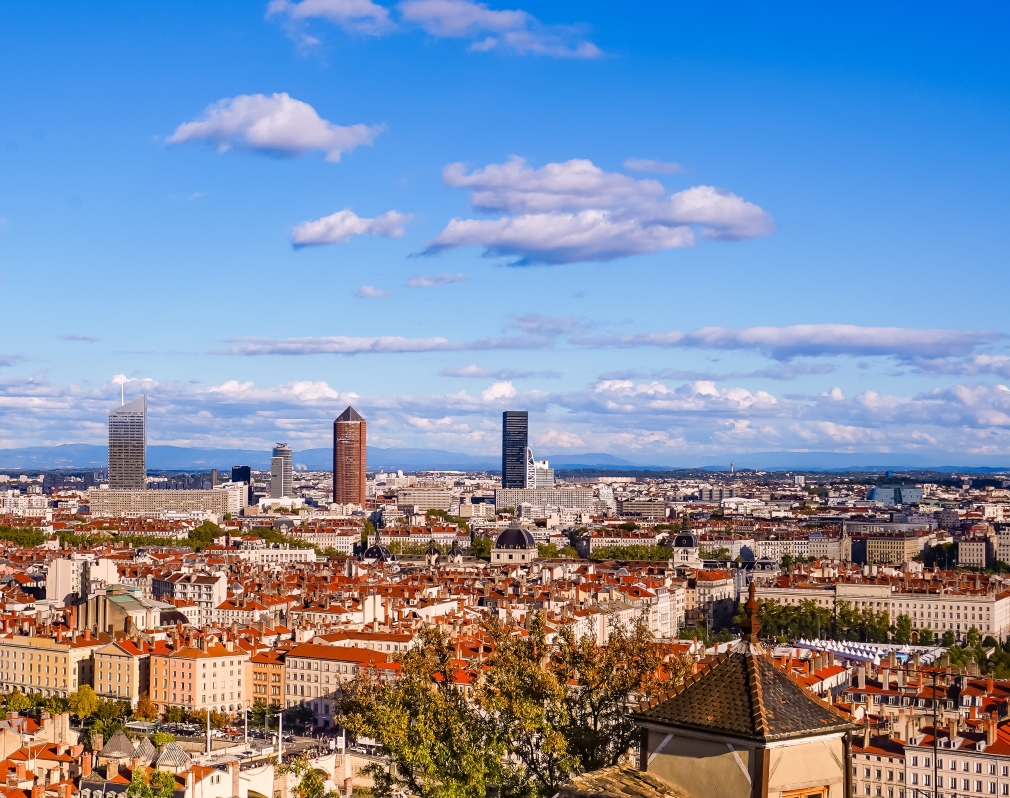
620 781
174 756
745 695
118 747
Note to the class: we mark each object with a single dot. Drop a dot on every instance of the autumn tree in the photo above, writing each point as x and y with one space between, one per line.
146 709
535 712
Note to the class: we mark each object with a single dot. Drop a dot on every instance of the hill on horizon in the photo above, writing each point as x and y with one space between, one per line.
181 458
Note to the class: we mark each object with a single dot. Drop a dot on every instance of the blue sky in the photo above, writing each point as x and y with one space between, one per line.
671 232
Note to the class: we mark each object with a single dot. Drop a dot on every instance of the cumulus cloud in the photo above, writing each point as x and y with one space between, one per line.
560 439
655 167
371 292
340 226
356 16
784 343
277 125
498 391
435 280
574 211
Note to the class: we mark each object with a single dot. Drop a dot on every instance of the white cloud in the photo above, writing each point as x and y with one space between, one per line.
970 366
498 391
560 237
78 337
356 16
578 184
339 345
561 440
574 211
655 167
278 125
340 226
512 31
959 424
435 280
813 340
371 292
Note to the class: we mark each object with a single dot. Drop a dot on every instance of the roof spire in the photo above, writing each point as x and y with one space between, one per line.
751 625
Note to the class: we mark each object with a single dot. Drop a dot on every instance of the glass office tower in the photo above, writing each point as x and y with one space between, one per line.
128 446
243 474
515 427
281 477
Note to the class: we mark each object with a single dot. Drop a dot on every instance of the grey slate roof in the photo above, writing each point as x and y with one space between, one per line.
745 695
174 757
146 752
118 747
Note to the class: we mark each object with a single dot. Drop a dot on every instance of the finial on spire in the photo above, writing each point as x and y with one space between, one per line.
751 625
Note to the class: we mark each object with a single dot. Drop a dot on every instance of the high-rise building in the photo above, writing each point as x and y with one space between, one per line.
128 446
243 474
281 481
514 443
349 447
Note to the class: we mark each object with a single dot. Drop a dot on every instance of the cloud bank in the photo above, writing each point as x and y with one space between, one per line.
660 419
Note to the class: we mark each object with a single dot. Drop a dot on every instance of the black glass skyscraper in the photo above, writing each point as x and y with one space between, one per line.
515 429
243 474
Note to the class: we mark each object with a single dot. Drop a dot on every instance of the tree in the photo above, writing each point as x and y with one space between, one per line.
903 629
440 744
174 715
567 708
948 639
310 784
160 784
218 720
973 638
261 715
108 709
146 709
299 718
161 738
480 546
17 702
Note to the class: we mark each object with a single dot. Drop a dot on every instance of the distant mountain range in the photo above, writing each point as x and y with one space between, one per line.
180 458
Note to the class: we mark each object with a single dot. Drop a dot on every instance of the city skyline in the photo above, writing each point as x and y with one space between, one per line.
674 235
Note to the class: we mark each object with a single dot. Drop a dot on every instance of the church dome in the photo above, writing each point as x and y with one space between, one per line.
515 538
378 553
686 542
